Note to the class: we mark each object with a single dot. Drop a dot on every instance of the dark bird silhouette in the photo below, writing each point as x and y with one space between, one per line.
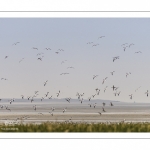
68 100
111 104
65 109
89 98
104 80
22 96
94 105
16 43
35 48
146 93
101 37
39 59
131 45
138 52
46 94
94 76
90 105
50 97
114 58
93 95
131 96
45 82
113 87
112 72
104 104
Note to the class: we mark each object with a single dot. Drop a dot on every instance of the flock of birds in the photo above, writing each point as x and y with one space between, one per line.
80 96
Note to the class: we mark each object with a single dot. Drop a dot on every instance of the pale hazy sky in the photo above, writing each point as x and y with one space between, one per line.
72 35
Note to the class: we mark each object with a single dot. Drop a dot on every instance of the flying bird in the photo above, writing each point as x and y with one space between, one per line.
35 48
94 76
65 109
101 37
146 93
112 72
111 104
131 96
104 80
114 58
16 43
45 82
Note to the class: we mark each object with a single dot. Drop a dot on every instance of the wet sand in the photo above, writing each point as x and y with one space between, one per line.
23 112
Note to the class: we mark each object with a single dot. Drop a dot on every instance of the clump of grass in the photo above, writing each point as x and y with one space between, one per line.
77 127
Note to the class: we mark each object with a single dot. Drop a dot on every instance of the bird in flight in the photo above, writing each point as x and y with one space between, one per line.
35 48
114 58
124 44
104 104
90 105
45 82
21 60
16 43
104 80
105 88
146 93
93 95
131 96
47 48
4 79
46 94
40 58
124 48
70 67
64 73
94 105
119 93
6 57
89 42
114 87
130 45
95 45
51 113
138 52
58 93
112 72
94 76
65 109
101 37
111 104
128 74
68 100
50 97
89 98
